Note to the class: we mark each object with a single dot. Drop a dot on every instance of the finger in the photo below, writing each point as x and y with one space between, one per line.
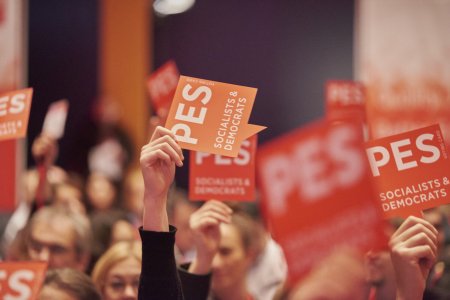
421 239
166 139
217 206
208 221
161 131
149 158
410 222
419 252
417 228
171 141
216 215
169 150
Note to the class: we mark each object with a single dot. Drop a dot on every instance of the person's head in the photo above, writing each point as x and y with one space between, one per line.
123 230
240 243
340 275
68 284
69 192
116 273
59 236
101 192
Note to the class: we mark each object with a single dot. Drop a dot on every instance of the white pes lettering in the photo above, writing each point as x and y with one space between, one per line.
242 159
380 156
182 130
12 104
17 284
306 170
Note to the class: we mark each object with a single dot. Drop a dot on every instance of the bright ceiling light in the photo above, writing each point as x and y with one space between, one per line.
171 7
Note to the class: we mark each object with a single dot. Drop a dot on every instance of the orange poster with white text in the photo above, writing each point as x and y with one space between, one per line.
410 170
21 280
212 176
211 116
317 194
14 113
161 85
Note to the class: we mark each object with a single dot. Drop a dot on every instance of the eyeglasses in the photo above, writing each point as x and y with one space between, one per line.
54 249
118 286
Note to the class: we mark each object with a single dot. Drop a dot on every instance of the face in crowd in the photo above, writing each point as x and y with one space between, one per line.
116 273
237 250
60 237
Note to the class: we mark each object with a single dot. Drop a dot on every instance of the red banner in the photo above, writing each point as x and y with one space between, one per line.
317 193
21 280
212 176
12 35
345 99
161 86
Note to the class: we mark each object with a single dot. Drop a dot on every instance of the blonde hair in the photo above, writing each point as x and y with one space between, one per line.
115 254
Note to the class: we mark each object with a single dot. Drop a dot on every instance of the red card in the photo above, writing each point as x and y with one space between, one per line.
211 116
212 176
21 280
410 170
161 86
345 99
55 119
14 113
317 193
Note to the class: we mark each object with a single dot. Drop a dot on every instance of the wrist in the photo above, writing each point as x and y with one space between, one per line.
200 265
155 214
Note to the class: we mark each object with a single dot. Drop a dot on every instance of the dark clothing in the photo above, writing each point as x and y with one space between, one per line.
160 277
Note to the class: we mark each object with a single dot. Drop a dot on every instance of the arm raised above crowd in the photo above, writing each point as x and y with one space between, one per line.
159 276
158 160
413 253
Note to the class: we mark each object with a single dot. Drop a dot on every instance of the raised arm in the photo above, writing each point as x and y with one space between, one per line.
158 160
159 275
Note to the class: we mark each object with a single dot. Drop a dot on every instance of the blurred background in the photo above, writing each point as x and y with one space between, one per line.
90 50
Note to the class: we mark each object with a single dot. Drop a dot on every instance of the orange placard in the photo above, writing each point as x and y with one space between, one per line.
410 170
21 280
14 113
161 85
212 176
212 117
55 119
345 99
317 193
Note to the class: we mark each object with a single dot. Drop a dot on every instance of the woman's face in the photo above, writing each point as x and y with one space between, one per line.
232 261
122 280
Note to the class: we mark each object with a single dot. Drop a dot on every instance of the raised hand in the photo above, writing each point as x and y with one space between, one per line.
413 253
158 160
44 150
205 224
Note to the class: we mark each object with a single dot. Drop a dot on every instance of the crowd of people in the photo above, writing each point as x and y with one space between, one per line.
139 237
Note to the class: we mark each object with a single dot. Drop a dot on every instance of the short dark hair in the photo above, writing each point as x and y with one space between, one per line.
75 283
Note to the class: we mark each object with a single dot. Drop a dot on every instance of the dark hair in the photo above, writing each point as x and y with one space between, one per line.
74 282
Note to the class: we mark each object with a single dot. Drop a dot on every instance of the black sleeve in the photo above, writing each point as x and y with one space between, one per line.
159 276
195 287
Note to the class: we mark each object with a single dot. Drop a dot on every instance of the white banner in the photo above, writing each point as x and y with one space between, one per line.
403 57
